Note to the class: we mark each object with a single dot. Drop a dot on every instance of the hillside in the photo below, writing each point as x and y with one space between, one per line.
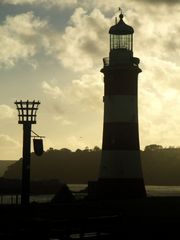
4 165
67 166
161 166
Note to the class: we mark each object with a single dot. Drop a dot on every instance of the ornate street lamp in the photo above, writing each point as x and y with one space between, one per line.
27 115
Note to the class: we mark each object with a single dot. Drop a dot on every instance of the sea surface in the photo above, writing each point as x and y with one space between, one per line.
152 191
162 191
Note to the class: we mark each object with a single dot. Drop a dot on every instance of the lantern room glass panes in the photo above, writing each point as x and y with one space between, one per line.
121 41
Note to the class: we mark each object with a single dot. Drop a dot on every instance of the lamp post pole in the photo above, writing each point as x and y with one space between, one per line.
25 191
27 116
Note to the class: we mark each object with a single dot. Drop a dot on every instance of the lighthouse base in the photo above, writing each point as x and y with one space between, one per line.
114 189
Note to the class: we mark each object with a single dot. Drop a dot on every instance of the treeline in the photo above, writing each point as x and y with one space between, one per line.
161 166
65 165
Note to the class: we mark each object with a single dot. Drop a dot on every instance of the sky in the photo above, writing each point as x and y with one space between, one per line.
52 50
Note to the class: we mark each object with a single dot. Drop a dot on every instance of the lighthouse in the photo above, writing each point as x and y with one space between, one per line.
120 174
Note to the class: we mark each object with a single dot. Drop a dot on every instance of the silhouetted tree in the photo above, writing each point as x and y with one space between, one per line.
65 150
96 149
153 147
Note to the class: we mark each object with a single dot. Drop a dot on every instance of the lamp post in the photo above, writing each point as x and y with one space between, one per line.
27 116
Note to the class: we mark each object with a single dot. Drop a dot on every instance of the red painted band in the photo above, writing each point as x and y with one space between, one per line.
120 136
120 82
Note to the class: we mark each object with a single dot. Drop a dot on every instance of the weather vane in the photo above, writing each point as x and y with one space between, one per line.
121 15
120 10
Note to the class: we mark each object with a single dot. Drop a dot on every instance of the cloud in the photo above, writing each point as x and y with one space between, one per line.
53 91
81 47
100 4
156 34
63 121
75 114
113 6
85 92
88 91
6 112
107 6
8 142
57 100
159 101
10 148
19 38
85 40
160 1
83 43
45 3
78 106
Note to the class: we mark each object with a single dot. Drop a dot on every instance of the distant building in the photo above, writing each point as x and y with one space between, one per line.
120 170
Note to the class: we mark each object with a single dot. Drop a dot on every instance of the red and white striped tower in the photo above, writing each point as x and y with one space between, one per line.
120 169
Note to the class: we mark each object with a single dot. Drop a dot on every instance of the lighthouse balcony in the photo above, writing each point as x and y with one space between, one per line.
106 61
112 62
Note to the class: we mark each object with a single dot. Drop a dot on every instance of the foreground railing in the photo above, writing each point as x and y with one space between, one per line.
10 199
41 198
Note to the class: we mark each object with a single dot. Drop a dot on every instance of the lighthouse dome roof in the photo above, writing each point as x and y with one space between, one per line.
121 28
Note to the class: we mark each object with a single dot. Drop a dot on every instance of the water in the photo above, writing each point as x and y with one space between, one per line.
162 191
152 191
77 187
